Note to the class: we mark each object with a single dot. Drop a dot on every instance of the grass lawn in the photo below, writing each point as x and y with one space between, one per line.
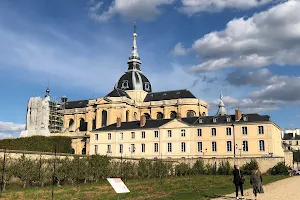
195 187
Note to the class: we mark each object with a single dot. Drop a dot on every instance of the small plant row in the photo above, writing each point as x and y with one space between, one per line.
26 171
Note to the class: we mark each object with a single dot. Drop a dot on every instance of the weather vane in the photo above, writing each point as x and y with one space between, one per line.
134 27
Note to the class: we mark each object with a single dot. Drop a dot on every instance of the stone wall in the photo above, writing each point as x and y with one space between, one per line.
264 163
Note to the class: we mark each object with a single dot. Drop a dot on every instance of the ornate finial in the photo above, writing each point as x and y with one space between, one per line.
134 27
221 96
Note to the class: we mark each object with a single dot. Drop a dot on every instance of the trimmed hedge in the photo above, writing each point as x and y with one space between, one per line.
39 143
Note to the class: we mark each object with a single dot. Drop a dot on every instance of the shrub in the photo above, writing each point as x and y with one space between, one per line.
211 169
182 169
224 168
248 167
280 169
199 167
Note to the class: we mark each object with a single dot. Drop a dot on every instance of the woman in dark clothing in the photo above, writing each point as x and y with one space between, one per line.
256 181
238 180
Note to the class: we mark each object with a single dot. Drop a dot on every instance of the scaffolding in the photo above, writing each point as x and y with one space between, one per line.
56 116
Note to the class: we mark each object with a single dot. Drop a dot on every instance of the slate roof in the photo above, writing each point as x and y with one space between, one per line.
118 93
191 121
135 125
289 136
168 95
76 104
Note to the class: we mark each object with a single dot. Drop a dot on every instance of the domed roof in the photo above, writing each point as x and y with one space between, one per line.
134 80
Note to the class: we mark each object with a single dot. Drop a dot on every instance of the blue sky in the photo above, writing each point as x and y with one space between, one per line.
246 49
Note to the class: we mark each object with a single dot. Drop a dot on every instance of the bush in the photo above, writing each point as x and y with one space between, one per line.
182 169
224 168
39 143
248 167
280 169
199 167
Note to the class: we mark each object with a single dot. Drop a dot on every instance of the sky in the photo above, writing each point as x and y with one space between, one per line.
246 50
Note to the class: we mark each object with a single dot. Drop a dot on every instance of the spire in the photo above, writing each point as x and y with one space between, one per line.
134 61
47 92
222 110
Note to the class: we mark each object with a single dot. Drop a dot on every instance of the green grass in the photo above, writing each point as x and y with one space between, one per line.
195 187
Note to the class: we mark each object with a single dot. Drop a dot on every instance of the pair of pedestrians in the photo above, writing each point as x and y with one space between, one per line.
255 181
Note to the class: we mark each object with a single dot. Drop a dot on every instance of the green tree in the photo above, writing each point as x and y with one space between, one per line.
199 167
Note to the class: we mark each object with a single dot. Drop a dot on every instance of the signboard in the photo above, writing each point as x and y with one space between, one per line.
118 185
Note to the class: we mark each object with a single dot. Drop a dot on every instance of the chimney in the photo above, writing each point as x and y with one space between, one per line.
119 122
178 116
238 114
143 120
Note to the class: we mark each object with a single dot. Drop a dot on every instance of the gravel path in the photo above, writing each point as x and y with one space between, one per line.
280 190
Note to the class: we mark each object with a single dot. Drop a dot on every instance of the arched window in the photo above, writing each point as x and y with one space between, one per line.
83 152
159 115
73 151
173 115
82 125
191 113
71 122
127 116
104 118
203 114
135 116
147 115
94 124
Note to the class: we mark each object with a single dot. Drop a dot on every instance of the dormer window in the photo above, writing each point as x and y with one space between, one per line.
228 119
147 86
125 84
215 120
164 94
245 118
201 121
177 92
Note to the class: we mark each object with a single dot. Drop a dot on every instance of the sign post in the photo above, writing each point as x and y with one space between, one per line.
118 186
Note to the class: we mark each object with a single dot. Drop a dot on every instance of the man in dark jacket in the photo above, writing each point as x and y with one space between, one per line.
238 180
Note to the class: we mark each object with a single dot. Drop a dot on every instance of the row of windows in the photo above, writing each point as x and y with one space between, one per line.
199 133
132 148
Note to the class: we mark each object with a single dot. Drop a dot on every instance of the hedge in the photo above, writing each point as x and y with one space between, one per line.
39 143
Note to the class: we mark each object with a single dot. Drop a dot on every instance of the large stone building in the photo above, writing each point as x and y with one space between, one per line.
291 139
220 136
131 97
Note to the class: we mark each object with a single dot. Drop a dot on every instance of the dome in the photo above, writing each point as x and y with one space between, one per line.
134 80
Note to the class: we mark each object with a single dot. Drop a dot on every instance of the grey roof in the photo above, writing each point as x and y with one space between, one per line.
289 136
134 80
191 121
168 95
76 104
118 93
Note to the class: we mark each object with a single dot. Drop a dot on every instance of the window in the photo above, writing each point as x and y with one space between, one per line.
261 145
143 134
169 133
143 148
191 113
173 115
121 148
169 147
229 146
155 147
121 136
109 136
96 149
199 146
182 133
96 136
156 134
245 118
132 135
244 130
297 142
215 120
214 146
228 131
109 148
228 119
147 86
182 146
200 121
245 145
199 131
159 115
213 132
260 130
290 142
124 84
132 148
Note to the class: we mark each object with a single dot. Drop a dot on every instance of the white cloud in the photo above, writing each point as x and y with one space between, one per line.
191 7
247 105
10 129
128 9
268 37
179 50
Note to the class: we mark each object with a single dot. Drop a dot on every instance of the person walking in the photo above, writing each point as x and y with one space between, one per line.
238 180
256 181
